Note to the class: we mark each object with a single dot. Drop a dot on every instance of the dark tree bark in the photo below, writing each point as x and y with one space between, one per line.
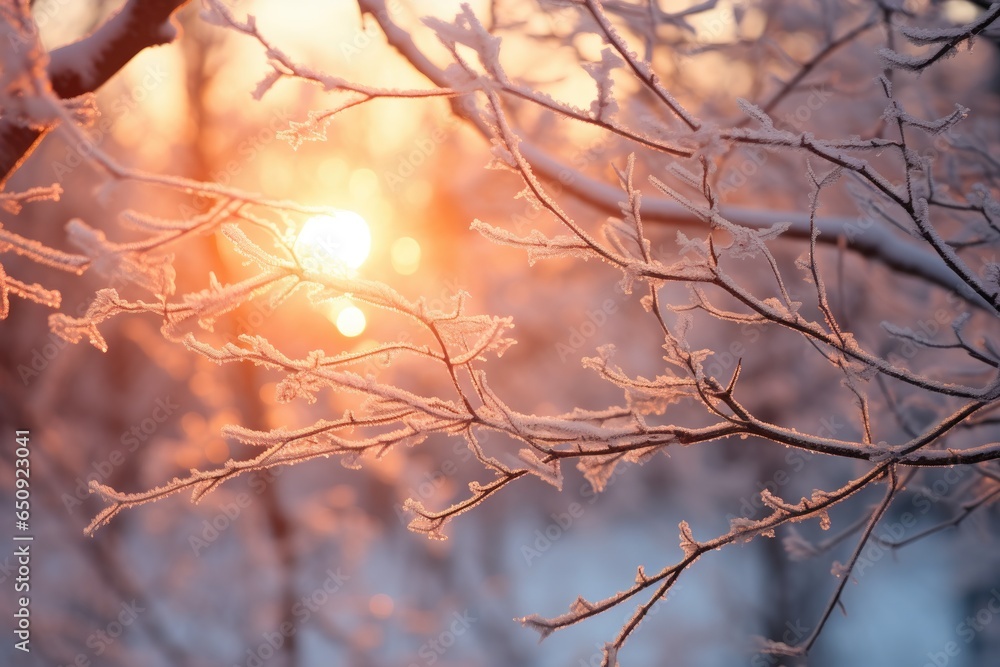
86 65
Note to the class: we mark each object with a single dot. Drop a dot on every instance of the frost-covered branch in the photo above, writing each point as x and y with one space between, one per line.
86 65
878 243
699 258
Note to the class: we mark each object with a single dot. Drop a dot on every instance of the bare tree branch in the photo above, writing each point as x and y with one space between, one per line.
86 65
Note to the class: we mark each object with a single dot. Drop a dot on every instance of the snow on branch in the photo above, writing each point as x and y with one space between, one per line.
690 266
85 65
949 38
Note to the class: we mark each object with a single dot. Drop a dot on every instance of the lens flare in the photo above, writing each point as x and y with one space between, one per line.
405 253
351 321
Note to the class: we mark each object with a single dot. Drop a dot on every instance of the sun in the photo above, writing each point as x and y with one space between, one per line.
334 242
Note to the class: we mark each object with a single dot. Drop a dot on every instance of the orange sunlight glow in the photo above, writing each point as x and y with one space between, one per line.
333 242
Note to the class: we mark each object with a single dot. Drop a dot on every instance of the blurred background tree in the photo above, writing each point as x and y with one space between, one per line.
313 564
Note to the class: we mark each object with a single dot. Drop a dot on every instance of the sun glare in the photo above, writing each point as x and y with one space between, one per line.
334 241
